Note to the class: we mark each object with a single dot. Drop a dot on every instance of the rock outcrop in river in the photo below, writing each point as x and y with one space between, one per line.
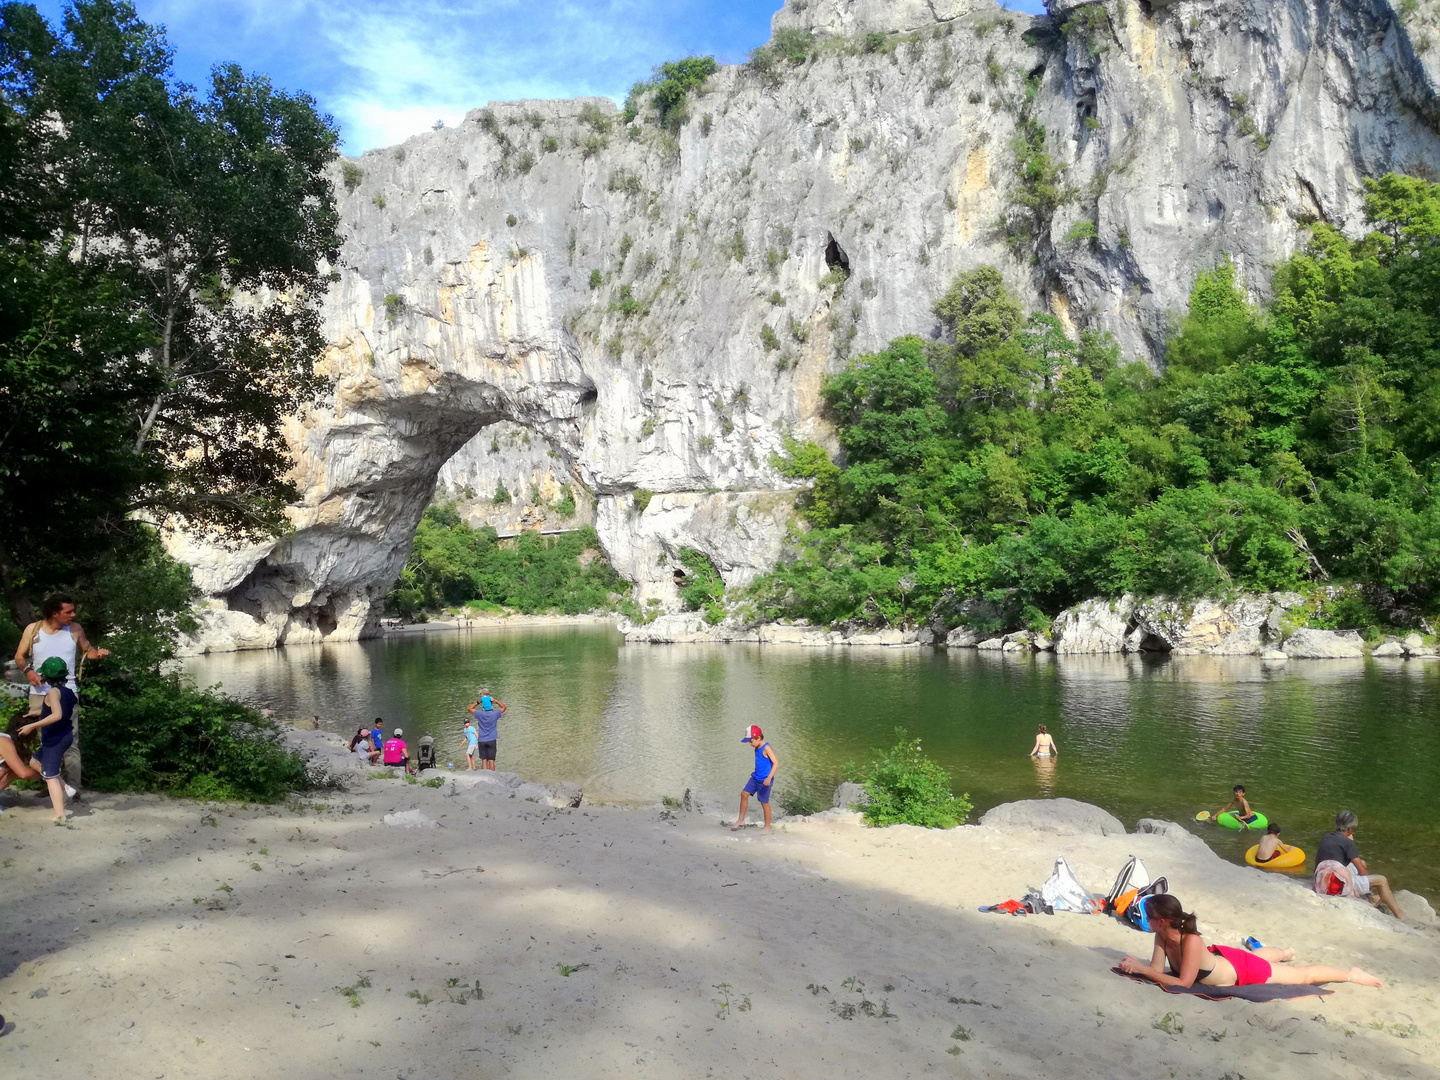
659 306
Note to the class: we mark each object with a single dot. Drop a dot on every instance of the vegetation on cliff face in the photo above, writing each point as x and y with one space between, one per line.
1279 448
452 564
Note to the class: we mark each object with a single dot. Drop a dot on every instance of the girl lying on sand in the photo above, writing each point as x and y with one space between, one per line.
1191 961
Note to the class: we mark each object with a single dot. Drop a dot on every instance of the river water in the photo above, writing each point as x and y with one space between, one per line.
1141 736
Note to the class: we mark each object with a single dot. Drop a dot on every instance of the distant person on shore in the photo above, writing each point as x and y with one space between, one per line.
1340 871
377 733
57 729
487 712
762 779
1270 845
16 753
396 754
1239 804
361 744
1191 961
1044 745
472 743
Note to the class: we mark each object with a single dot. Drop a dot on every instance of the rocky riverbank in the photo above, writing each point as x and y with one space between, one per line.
1257 624
401 930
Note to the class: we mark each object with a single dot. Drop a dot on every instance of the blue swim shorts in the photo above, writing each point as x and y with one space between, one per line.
758 787
52 752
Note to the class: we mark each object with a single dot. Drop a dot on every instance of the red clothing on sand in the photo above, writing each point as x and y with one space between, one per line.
394 752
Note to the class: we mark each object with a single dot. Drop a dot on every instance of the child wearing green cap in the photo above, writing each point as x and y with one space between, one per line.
57 729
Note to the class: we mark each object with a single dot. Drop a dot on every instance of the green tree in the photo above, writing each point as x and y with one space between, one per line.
180 244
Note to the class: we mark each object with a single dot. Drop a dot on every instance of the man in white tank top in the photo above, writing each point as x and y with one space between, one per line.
56 634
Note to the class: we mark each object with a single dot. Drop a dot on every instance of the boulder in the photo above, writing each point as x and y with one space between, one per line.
1416 648
1417 909
1054 815
892 638
1245 641
1096 626
1273 655
1017 642
795 634
962 637
409 819
1389 647
1042 643
1308 644
532 793
992 644
1184 627
849 794
563 794
1159 827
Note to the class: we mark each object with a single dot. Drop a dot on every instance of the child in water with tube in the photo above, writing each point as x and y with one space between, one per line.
761 780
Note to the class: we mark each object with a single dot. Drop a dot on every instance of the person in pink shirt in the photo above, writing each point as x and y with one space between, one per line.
395 753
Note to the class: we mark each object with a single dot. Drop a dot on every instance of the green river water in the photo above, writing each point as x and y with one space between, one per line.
1141 736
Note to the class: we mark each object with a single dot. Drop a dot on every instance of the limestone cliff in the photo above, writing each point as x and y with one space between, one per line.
660 306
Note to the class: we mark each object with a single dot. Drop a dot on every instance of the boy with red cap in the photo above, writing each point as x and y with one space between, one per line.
761 779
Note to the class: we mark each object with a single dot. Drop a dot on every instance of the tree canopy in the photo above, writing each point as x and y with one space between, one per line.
162 253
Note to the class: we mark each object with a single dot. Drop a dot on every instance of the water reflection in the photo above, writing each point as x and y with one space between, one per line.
1045 776
1142 736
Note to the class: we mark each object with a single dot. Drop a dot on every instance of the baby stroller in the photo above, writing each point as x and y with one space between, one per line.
426 759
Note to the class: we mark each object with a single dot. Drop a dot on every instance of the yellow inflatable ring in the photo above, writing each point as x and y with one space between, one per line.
1294 859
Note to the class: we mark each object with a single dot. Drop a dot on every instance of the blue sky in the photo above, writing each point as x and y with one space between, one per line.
386 69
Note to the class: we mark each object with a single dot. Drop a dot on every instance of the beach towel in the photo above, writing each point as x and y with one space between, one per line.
1334 878
1262 992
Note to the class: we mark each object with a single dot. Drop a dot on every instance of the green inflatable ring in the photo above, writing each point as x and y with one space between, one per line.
1228 820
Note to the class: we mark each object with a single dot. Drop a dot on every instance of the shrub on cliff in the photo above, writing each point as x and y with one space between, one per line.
907 788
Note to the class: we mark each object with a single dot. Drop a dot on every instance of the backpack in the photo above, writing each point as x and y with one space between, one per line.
1133 884
1135 915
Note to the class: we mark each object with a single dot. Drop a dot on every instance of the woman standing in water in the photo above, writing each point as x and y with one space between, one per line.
1044 745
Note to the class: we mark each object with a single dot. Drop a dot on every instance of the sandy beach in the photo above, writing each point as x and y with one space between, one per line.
163 938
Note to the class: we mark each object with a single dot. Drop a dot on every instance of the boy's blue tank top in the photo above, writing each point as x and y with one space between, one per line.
53 733
762 763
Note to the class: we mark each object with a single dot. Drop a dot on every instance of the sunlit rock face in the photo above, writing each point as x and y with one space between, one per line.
661 309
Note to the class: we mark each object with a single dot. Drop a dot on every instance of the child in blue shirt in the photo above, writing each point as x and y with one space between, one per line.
761 780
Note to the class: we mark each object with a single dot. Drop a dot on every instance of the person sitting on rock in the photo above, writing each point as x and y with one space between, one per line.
1270 845
396 753
1238 803
1178 943
1339 870
361 744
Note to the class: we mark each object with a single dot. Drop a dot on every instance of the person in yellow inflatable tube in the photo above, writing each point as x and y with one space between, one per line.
1270 845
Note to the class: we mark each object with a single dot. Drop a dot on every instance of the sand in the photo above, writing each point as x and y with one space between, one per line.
164 938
